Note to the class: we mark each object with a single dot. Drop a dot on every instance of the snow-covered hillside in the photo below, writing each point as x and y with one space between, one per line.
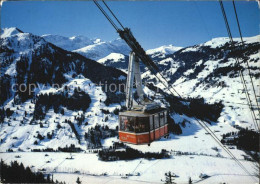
69 108
208 70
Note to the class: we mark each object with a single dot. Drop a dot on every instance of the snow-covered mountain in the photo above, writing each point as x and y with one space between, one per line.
209 70
57 78
105 52
163 51
97 49
102 49
120 60
7 32
91 48
54 79
206 70
68 43
67 108
116 60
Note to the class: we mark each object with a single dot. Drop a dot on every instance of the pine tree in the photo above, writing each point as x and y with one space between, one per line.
78 181
48 178
58 126
190 181
169 178
62 111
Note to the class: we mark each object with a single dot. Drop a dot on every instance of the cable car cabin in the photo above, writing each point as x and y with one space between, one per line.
139 127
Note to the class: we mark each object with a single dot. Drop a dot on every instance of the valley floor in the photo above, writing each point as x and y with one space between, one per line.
90 169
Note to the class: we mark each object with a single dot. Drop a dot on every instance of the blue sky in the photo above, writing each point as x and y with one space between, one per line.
154 23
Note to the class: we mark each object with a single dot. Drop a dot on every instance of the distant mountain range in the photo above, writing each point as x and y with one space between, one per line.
97 49
91 48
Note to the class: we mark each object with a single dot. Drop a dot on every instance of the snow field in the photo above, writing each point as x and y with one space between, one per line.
151 171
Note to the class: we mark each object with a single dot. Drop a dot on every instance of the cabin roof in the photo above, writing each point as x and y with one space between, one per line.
141 113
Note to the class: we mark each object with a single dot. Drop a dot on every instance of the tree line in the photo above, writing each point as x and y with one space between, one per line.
17 173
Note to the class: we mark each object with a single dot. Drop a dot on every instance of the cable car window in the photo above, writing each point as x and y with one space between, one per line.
156 121
127 123
121 123
151 123
161 119
165 117
141 124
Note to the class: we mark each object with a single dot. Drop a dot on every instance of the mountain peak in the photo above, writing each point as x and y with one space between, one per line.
7 32
166 49
114 57
96 40
220 41
79 37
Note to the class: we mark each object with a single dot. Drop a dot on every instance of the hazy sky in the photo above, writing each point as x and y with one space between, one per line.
154 23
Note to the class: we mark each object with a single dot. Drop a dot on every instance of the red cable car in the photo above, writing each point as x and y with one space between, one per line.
146 121
142 127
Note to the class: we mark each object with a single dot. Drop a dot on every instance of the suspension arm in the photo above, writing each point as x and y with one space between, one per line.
127 35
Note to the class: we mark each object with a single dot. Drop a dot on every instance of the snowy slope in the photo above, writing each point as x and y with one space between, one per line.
115 60
218 82
114 57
